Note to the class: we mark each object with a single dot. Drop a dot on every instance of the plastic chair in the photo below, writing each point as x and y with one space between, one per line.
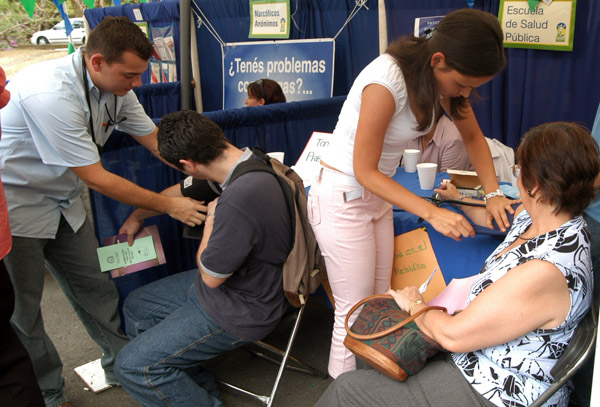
579 349
285 356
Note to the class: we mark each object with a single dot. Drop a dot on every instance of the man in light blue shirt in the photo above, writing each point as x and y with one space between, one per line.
59 115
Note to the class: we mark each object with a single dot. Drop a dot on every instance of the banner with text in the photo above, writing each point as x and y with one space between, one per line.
303 68
546 26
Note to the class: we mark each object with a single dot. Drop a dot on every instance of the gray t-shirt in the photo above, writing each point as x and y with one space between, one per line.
250 241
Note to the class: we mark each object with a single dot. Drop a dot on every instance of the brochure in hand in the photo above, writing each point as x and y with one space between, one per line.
120 259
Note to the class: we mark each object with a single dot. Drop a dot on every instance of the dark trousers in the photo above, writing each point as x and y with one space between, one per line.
18 385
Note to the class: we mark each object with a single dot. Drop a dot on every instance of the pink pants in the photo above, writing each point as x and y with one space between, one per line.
356 238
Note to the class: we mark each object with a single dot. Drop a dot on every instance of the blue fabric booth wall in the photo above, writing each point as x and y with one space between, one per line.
355 47
535 87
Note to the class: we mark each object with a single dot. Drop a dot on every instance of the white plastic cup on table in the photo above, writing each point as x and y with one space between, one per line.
427 172
277 155
410 159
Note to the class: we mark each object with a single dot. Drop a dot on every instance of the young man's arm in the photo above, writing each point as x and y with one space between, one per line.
210 281
183 209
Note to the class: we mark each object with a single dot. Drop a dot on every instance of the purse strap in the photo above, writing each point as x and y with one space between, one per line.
391 329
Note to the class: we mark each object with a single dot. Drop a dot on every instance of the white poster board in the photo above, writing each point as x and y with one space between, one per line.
309 162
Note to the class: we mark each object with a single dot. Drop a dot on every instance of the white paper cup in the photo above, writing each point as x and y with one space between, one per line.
426 173
410 159
277 155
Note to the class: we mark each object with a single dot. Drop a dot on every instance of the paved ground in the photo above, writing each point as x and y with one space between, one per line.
238 367
16 59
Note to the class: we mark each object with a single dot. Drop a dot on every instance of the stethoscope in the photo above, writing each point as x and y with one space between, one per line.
111 121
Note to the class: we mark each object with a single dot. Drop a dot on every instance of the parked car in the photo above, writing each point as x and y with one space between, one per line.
58 35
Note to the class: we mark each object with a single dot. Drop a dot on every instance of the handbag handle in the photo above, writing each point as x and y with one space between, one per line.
390 329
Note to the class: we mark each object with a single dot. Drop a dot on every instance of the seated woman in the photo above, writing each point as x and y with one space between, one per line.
442 145
264 92
532 292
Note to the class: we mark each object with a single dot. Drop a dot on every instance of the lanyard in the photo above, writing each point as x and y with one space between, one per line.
110 122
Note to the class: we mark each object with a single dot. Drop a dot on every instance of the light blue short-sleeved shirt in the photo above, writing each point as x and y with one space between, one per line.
593 210
45 132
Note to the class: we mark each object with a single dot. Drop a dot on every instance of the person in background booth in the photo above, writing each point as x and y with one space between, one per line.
59 114
523 309
396 98
236 294
18 385
264 92
442 145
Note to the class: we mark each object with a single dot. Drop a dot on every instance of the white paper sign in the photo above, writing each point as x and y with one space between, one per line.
309 162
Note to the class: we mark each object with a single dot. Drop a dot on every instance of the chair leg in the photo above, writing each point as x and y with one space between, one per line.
285 356
288 348
302 366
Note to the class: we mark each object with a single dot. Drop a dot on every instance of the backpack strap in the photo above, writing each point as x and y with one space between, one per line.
264 164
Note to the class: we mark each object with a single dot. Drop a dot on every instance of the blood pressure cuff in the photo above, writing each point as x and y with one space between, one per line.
200 190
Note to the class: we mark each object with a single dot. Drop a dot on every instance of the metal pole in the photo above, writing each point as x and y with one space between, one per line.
196 83
383 40
184 46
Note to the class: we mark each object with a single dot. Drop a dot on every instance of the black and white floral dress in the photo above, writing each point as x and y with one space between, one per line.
517 372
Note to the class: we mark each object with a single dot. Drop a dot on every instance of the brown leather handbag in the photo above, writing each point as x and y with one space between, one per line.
388 339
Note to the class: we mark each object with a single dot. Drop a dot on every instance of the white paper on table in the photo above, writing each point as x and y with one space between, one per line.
454 297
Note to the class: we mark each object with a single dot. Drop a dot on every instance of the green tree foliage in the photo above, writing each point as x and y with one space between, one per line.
16 27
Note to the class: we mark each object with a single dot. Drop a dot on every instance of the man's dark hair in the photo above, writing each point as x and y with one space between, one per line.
561 158
470 39
188 135
115 35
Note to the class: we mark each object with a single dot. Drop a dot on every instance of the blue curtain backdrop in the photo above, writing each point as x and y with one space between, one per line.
355 47
536 86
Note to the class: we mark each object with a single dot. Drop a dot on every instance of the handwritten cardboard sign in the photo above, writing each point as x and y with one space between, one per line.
414 261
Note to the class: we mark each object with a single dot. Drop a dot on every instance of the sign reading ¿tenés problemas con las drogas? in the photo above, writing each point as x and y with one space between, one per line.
549 25
303 68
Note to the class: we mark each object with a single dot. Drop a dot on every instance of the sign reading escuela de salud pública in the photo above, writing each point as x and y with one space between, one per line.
547 26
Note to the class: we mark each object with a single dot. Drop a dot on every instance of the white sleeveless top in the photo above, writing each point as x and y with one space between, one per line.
386 72
517 372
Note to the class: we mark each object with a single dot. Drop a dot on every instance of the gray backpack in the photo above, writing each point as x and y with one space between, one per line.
304 268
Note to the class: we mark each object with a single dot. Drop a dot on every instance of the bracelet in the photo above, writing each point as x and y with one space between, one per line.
414 304
459 201
211 213
497 192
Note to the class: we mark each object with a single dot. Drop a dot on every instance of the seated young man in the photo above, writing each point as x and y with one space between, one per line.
234 297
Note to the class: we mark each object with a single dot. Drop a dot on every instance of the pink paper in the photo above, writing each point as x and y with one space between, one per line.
454 297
